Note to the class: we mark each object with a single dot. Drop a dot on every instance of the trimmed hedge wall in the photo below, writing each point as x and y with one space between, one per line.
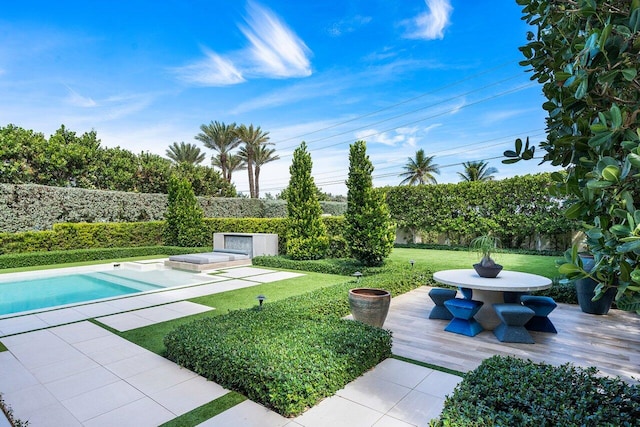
30 207
294 352
507 391
133 234
515 209
78 255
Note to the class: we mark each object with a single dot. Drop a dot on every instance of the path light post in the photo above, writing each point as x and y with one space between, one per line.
412 262
357 275
260 299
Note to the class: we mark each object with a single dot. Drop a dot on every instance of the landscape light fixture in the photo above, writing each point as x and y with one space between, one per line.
261 299
412 262
357 275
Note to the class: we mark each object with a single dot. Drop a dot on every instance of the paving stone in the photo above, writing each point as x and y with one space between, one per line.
247 414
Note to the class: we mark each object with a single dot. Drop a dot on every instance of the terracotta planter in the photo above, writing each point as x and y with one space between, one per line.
369 306
487 272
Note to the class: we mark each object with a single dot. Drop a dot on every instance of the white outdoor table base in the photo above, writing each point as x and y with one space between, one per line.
491 291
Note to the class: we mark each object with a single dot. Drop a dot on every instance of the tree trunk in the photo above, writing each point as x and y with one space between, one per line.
256 183
251 182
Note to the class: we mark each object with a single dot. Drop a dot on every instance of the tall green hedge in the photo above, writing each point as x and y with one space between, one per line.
514 209
133 234
31 207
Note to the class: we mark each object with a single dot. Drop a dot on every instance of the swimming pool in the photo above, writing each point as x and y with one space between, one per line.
55 289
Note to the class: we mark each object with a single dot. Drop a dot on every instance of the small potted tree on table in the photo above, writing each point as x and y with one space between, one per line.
484 245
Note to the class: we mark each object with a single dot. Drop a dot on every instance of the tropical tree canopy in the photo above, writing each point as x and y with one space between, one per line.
220 138
253 138
419 170
185 153
477 171
262 156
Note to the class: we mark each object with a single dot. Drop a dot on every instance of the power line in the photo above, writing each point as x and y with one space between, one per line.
399 103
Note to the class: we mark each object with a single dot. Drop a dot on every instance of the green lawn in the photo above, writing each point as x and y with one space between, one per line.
150 337
437 260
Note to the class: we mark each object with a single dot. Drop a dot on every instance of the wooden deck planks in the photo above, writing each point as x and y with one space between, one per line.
611 342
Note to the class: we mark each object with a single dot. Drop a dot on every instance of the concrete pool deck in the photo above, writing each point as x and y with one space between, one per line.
80 374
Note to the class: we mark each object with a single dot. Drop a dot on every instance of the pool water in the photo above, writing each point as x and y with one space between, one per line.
43 292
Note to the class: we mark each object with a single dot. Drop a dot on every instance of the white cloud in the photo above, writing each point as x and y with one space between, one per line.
213 70
430 25
348 25
276 50
77 100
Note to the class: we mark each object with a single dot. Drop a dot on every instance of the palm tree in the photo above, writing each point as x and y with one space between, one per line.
187 153
420 170
253 138
221 138
234 163
477 171
262 156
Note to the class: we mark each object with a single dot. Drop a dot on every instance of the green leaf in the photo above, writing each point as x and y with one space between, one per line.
598 127
616 116
600 139
574 211
634 159
569 268
581 91
518 145
510 161
629 246
620 230
510 153
594 184
629 74
611 173
594 233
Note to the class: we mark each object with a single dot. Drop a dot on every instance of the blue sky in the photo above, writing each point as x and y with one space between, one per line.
441 75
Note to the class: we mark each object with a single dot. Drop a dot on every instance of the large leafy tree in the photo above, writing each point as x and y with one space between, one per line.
220 138
185 153
419 170
585 54
253 138
262 155
369 229
306 233
477 171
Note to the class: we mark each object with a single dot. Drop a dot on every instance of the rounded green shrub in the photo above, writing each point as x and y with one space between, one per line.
507 391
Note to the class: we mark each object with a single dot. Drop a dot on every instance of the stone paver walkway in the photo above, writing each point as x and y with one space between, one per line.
80 374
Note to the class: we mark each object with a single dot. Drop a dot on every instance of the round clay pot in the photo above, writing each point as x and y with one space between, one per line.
369 306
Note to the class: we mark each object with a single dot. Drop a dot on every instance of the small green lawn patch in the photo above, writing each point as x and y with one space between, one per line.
206 411
150 337
2 347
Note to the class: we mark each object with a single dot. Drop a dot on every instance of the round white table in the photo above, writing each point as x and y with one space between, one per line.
491 291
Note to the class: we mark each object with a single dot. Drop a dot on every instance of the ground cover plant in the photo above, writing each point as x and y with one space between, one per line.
506 391
294 352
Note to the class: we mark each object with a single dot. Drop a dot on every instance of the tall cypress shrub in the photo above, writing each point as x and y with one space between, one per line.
184 218
306 233
369 230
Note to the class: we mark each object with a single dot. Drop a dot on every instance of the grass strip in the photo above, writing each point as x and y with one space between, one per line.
2 347
206 411
428 365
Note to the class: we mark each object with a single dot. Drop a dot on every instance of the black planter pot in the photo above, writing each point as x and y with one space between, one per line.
585 288
488 272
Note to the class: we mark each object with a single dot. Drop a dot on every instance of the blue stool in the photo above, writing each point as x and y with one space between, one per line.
541 306
467 293
439 296
513 318
463 311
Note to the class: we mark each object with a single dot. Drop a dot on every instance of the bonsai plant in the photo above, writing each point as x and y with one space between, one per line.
484 245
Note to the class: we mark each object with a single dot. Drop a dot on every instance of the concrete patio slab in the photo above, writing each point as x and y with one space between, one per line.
375 393
140 413
102 400
55 415
388 421
439 384
137 364
189 394
337 411
148 316
399 372
82 382
417 408
160 378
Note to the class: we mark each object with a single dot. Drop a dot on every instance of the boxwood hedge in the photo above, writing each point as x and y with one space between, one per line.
293 352
507 391
31 259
